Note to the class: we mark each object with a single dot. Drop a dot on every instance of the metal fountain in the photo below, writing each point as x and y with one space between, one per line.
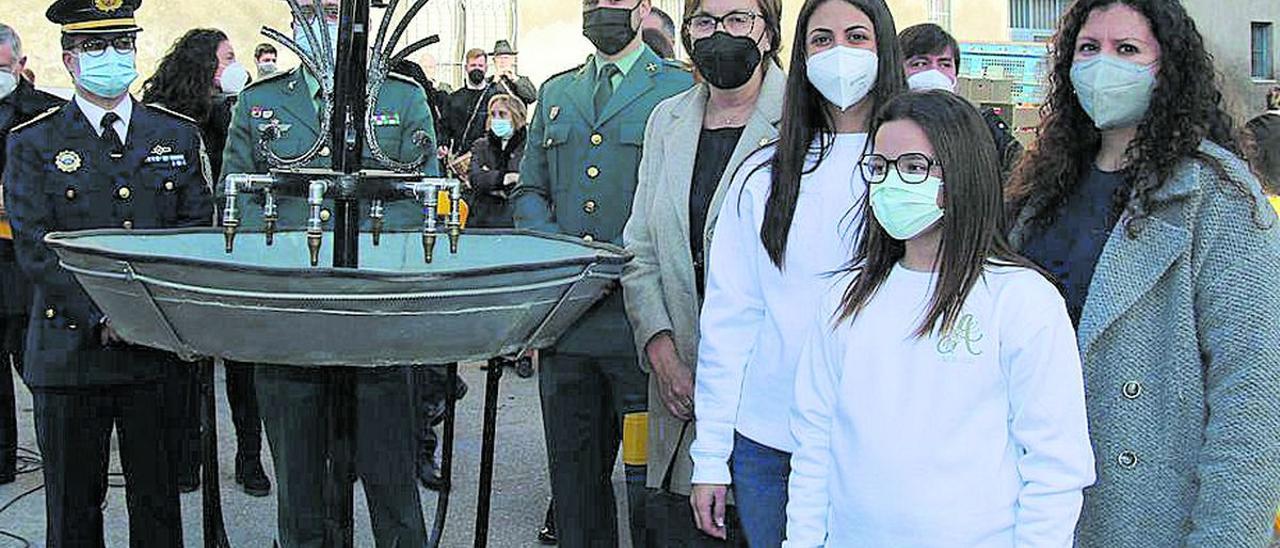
201 292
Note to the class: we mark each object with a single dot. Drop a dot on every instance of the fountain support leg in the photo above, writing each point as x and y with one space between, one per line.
492 378
215 532
446 456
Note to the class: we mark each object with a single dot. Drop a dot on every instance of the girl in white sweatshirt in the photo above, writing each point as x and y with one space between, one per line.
939 401
788 221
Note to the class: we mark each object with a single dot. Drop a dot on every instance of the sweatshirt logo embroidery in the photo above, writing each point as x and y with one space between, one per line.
966 332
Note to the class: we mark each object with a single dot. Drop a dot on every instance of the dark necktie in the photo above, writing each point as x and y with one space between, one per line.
604 86
109 135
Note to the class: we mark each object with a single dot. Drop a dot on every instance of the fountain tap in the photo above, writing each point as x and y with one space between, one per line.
315 198
430 199
455 217
270 214
378 214
230 213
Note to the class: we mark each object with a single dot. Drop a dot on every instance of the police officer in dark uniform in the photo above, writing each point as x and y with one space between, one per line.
101 161
19 102
579 177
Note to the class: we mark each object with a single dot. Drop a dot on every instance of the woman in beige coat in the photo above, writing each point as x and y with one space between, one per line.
693 144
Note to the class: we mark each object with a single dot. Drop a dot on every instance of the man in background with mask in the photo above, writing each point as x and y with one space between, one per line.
578 178
104 160
265 56
293 400
465 111
932 61
19 102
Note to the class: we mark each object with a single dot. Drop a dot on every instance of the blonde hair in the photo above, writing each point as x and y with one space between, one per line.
518 112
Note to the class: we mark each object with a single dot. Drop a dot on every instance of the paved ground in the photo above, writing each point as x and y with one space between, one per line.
520 490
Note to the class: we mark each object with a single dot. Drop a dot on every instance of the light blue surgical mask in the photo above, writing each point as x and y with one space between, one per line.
502 128
905 210
319 26
1114 93
107 75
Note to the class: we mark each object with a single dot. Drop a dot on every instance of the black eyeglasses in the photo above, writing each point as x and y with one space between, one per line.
95 47
913 167
736 23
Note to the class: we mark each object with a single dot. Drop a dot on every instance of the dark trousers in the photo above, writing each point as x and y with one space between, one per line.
185 417
584 400
8 415
73 427
294 404
669 519
430 395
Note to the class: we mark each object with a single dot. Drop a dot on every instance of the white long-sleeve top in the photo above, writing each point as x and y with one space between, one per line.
755 316
976 439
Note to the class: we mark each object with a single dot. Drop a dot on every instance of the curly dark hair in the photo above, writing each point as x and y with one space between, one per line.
1186 109
184 79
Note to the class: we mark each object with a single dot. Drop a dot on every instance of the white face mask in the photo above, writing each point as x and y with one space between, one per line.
844 75
267 67
931 80
8 83
234 78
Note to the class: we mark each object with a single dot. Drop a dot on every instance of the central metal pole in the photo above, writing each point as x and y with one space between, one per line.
347 140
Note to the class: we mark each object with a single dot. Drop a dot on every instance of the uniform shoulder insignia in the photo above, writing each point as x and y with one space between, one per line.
678 65
179 115
402 78
566 72
37 118
268 78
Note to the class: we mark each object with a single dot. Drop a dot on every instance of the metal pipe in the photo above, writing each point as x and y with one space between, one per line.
430 199
378 214
230 213
270 214
455 217
489 433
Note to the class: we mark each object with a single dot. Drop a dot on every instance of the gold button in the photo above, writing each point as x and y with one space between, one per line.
764 142
588 238
589 206
324 151
168 185
71 193
1127 459
127 224
593 172
1131 390
72 326
325 215
549 142
50 313
596 139
124 193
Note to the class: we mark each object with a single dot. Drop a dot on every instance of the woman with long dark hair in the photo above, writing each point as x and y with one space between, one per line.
941 364
200 78
787 220
1135 198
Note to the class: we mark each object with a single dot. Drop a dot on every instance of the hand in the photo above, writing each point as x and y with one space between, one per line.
510 179
442 152
108 335
675 379
708 501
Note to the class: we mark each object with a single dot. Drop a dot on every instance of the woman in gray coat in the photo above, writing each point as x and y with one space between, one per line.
693 144
1135 198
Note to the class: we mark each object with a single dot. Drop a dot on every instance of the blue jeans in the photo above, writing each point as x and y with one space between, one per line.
760 477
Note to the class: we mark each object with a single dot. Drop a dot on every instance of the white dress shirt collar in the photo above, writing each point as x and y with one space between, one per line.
94 114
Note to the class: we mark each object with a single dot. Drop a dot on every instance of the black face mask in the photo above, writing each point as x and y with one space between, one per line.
608 29
475 76
726 61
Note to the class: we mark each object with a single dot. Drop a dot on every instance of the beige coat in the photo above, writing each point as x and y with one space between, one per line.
658 285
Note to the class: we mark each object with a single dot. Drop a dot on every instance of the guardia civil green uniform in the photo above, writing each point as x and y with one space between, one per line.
292 399
578 177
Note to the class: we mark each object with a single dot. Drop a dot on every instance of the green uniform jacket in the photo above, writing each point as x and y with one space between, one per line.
580 170
402 110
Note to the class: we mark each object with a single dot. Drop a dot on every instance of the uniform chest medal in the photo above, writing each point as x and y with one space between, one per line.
162 154
67 161
386 119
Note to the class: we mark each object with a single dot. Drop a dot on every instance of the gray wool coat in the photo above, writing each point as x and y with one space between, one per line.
1180 339
658 284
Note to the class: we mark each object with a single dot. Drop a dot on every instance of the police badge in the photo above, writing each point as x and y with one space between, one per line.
67 161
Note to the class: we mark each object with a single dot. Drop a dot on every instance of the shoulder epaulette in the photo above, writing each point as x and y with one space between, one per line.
403 78
35 119
173 113
271 77
678 65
